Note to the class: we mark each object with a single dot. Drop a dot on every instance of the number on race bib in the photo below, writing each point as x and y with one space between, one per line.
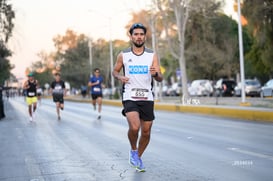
96 89
31 94
139 93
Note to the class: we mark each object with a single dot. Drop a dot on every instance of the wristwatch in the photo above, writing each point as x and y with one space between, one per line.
155 75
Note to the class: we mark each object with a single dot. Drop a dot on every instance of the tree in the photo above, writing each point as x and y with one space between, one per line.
6 26
72 55
5 65
44 67
259 15
175 16
181 11
72 59
6 17
75 66
212 46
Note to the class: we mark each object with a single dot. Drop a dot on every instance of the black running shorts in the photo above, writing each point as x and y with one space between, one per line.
144 108
58 98
95 96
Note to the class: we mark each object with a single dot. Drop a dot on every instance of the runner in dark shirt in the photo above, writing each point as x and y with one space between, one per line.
58 92
31 86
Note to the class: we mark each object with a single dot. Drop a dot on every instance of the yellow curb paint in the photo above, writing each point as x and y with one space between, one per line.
245 104
254 115
250 114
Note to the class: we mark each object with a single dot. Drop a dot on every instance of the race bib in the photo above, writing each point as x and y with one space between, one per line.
139 93
31 94
96 89
58 87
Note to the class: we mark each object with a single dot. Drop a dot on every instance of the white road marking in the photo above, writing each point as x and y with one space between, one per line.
251 153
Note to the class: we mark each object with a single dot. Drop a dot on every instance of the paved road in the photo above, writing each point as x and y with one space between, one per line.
81 148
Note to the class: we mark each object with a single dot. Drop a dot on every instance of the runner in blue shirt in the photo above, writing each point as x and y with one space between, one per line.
95 82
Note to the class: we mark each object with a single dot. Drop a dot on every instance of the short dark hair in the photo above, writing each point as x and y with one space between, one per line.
96 69
137 25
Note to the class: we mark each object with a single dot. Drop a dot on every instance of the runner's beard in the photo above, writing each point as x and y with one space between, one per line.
138 45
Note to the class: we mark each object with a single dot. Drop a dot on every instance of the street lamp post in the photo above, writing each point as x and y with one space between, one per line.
111 57
110 47
90 56
241 53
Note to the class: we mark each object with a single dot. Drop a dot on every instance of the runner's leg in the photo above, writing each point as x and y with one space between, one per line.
145 136
134 126
94 102
58 109
99 102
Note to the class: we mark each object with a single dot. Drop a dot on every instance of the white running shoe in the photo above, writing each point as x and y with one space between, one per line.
30 119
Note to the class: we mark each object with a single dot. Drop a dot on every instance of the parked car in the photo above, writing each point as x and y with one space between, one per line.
200 88
224 87
175 89
267 89
252 88
106 92
165 90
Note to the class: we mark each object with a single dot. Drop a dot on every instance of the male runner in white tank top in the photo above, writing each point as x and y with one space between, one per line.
140 67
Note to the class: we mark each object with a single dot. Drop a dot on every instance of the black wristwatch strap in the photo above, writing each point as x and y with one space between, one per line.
155 75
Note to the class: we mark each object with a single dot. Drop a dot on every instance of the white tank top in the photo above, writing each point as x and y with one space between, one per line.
136 68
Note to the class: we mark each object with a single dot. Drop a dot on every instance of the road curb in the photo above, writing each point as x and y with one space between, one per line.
229 112
246 114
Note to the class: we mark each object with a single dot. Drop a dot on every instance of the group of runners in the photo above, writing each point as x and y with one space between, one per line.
33 93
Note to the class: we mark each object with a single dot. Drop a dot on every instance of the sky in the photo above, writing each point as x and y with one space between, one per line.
37 22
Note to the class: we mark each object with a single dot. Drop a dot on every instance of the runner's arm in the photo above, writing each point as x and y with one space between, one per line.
155 69
117 68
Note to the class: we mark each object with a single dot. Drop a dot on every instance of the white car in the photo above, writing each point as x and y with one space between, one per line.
252 88
175 89
267 89
201 88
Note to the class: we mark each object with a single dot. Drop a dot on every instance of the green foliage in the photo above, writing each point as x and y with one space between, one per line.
6 27
171 65
44 77
212 47
259 14
211 43
75 67
6 17
72 55
5 68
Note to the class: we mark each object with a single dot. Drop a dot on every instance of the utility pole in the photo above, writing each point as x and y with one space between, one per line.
243 95
111 56
90 56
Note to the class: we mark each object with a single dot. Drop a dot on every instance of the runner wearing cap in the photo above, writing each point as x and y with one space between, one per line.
31 86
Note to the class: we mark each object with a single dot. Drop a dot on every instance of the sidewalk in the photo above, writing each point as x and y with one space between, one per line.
254 109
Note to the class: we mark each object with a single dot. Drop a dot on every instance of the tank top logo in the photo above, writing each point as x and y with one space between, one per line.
138 69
